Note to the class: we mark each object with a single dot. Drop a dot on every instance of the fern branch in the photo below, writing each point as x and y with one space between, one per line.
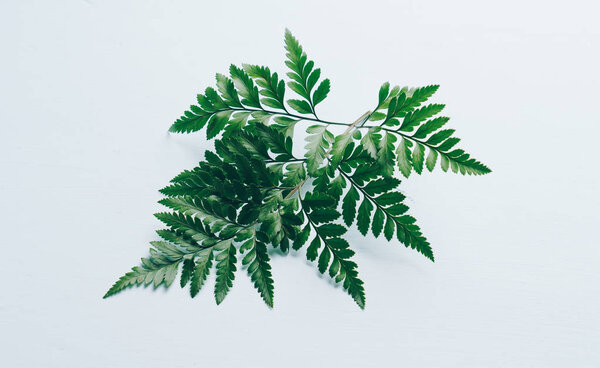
412 236
462 160
181 126
340 268
247 192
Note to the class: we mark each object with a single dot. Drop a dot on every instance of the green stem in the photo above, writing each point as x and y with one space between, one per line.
286 113
362 191
323 239
372 200
430 146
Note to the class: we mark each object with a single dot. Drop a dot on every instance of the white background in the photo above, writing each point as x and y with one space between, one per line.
89 88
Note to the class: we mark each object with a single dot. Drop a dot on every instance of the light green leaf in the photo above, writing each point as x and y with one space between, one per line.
431 159
244 86
385 154
319 139
227 90
201 270
376 116
404 157
418 157
338 149
301 106
370 141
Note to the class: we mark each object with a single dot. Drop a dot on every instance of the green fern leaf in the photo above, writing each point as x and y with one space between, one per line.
332 230
439 137
201 270
339 148
252 193
321 92
226 261
157 269
378 219
187 271
301 238
414 118
385 154
419 96
304 77
363 220
430 126
319 140
404 157
418 157
325 215
370 141
384 92
187 225
245 87
313 249
257 260
227 90
272 88
349 206
301 106
431 159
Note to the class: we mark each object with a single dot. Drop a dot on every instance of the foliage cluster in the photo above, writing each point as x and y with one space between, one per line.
251 192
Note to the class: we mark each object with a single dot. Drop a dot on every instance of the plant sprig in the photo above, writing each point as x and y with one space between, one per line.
251 193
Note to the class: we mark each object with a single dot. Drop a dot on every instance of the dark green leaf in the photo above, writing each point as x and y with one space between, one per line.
364 216
225 269
321 92
349 205
430 127
383 92
301 238
313 249
331 230
201 270
323 215
324 260
378 218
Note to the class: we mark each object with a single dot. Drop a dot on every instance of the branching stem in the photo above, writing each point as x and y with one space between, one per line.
357 123
296 188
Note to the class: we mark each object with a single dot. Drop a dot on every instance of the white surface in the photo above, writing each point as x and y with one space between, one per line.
89 88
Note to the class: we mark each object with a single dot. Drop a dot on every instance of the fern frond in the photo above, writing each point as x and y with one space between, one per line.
226 261
304 77
272 88
252 193
335 251
245 86
257 260
159 268
318 142
201 269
